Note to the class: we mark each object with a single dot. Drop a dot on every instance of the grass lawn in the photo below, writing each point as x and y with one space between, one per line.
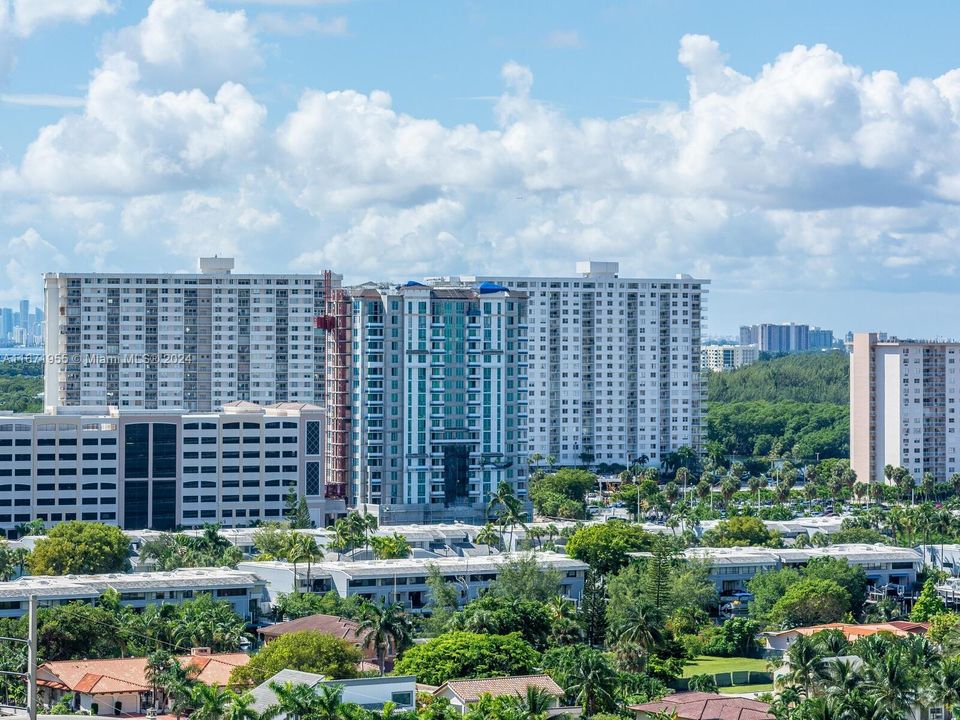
706 665
738 689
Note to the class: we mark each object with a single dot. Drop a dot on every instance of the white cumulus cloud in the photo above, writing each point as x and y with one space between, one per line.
186 43
130 142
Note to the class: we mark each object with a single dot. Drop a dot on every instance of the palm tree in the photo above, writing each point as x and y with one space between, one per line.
839 677
944 686
302 549
756 483
294 700
890 678
535 703
682 478
561 609
512 513
783 492
703 489
803 660
385 627
240 707
158 667
728 489
822 708
592 682
329 703
641 625
208 702
487 535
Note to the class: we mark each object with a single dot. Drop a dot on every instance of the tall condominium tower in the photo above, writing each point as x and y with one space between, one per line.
426 398
904 402
614 364
177 340
25 314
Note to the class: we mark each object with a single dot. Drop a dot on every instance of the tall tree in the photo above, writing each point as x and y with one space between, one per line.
385 628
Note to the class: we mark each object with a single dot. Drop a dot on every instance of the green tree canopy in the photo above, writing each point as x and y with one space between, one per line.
80 548
561 494
811 601
524 577
605 547
309 651
804 377
929 603
741 531
851 578
501 614
468 655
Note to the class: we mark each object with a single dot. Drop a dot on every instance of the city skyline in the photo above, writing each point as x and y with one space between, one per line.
809 165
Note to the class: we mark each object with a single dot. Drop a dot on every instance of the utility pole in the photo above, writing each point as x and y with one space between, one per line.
30 676
32 660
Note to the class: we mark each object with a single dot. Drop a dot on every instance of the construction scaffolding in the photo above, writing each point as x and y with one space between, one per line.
336 323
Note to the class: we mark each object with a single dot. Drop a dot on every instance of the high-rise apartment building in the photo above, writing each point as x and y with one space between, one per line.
162 469
820 339
904 402
718 358
177 340
786 338
25 315
426 398
6 323
615 368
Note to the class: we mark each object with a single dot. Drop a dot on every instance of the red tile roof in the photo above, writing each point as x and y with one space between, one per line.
92 677
853 631
707 706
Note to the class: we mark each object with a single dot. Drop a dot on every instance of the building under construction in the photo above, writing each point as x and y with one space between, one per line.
426 398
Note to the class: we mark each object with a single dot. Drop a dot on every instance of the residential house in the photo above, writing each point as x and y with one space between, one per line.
333 625
119 686
781 640
704 706
464 693
369 693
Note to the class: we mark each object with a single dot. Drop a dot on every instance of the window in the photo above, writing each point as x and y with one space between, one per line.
313 438
164 450
136 448
313 478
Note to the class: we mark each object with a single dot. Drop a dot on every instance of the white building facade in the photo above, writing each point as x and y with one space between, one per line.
183 341
160 470
904 399
615 367
243 590
719 358
405 581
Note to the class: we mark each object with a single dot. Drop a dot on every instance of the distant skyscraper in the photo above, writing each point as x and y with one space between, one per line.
786 338
820 339
25 315
6 323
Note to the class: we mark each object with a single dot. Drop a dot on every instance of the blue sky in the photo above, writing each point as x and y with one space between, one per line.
389 140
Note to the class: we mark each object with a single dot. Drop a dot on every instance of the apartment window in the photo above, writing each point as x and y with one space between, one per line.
313 478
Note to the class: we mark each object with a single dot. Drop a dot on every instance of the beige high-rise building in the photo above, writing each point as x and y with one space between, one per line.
904 398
